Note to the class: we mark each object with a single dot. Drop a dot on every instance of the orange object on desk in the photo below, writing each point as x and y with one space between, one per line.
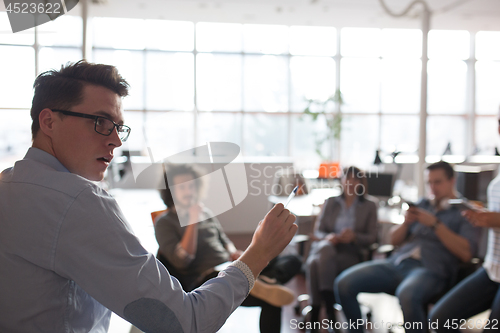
329 170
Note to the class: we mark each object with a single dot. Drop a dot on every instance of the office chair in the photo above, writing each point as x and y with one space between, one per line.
366 254
170 268
286 183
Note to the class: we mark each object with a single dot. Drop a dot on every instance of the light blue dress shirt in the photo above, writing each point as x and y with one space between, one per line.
347 215
68 257
433 254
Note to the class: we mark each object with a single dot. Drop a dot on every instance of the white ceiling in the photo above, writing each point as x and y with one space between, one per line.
447 14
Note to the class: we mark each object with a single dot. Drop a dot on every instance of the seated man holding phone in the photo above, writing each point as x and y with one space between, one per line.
432 241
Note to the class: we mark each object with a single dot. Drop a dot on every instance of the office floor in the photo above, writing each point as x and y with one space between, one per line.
385 310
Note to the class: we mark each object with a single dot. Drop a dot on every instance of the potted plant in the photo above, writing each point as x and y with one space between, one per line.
329 112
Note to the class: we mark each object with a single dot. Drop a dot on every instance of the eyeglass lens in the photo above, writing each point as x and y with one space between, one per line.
105 126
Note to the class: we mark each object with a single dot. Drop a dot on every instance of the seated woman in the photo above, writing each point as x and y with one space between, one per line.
346 226
191 252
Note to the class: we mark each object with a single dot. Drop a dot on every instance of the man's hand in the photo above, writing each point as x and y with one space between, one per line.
273 233
398 233
411 216
189 240
194 213
424 217
482 218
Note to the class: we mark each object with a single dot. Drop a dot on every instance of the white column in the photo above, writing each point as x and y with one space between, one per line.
422 148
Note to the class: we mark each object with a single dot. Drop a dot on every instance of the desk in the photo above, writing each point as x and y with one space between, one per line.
307 207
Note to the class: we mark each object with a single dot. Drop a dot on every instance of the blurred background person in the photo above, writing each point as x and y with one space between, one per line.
191 253
481 290
433 239
344 230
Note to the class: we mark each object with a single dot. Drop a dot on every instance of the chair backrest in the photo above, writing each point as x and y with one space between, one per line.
162 258
154 215
286 183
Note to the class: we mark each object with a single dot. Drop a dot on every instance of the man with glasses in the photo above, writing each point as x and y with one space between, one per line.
67 255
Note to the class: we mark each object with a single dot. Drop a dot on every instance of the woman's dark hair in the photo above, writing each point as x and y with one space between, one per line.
172 171
360 175
63 89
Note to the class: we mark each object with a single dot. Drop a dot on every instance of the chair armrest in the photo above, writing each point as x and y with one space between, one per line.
385 249
300 239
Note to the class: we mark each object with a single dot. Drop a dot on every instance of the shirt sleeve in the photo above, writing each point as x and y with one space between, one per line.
369 234
97 249
322 227
471 233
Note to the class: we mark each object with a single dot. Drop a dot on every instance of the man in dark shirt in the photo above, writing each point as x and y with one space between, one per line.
191 252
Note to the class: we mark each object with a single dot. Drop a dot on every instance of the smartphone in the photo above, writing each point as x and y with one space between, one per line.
462 204
410 204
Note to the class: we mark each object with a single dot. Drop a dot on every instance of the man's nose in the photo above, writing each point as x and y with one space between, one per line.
115 138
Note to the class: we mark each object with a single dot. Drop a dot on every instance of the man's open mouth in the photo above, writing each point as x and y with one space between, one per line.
105 159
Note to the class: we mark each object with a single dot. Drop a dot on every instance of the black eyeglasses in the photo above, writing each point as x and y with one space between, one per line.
103 126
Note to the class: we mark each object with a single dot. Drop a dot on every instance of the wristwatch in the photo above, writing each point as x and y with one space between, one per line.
434 226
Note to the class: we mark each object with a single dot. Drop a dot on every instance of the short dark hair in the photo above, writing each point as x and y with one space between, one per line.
63 89
445 166
172 171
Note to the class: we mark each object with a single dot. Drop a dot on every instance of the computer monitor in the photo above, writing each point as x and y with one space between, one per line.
380 184
473 185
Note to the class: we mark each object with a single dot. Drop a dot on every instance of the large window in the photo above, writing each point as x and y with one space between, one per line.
487 91
380 80
59 41
249 84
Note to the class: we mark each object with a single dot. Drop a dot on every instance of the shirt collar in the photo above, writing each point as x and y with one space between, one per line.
340 199
42 156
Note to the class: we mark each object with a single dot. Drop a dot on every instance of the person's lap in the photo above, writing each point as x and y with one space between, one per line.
327 261
412 283
415 292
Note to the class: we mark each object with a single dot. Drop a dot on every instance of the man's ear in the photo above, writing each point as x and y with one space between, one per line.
46 119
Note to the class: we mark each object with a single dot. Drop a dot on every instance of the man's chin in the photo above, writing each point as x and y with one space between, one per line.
94 177
182 205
